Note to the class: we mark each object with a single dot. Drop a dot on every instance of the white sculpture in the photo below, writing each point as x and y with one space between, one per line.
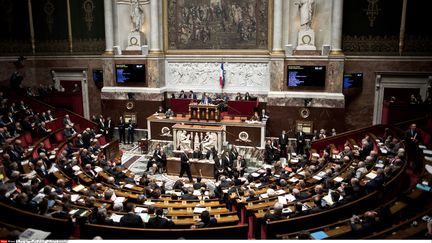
306 13
184 141
306 35
136 14
209 141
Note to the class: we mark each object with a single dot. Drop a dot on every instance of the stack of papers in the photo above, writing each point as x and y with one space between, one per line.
317 178
78 188
371 175
290 198
338 179
119 200
116 218
427 151
293 179
282 200
34 234
145 217
199 210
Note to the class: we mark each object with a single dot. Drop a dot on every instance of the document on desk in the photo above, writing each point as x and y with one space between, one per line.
199 210
145 217
116 218
282 199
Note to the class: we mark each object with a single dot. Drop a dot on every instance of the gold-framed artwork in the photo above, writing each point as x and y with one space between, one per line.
130 116
304 126
217 26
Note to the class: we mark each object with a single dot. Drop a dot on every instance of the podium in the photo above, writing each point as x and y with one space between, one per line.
201 112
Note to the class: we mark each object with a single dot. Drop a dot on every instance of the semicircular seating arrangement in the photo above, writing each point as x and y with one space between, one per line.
74 186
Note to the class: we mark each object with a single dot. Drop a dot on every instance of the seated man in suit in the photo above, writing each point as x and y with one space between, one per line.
192 96
169 113
182 95
276 215
206 100
159 221
131 219
205 221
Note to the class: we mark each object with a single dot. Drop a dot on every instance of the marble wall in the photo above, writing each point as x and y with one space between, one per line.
360 106
253 77
36 71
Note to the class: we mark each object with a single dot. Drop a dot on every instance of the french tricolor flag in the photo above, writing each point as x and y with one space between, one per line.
222 76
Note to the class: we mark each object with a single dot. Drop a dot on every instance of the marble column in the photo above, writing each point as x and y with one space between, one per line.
277 26
336 34
154 26
116 37
285 23
109 40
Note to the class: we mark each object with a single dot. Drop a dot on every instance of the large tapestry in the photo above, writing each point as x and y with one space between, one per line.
217 24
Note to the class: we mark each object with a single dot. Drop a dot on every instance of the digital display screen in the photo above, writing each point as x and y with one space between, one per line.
353 80
306 76
130 73
98 75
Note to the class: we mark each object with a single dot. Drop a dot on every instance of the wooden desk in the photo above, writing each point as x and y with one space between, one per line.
204 112
237 132
206 167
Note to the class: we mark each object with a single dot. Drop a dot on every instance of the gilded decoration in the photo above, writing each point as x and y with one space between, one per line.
88 7
372 11
371 44
49 9
217 24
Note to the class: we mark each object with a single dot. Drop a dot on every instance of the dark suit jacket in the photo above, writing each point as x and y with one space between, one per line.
131 220
300 137
159 223
283 141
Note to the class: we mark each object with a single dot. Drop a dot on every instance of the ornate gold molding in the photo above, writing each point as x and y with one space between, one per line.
372 11
88 7
70 39
49 9
266 51
32 34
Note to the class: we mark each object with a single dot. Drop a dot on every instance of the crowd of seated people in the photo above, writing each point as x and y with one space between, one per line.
41 192
340 178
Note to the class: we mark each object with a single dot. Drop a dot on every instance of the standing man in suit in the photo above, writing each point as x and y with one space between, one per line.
101 125
283 142
109 125
131 131
412 140
131 219
184 163
300 137
228 163
240 165
122 130
269 152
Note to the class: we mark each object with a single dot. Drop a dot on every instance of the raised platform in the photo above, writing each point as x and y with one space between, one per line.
236 131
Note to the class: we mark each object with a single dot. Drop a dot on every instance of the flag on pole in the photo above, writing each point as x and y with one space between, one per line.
222 76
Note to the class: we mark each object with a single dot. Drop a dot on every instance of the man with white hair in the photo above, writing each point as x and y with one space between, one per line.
361 171
276 214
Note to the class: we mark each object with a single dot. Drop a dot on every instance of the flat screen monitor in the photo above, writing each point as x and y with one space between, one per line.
98 75
306 76
353 80
130 73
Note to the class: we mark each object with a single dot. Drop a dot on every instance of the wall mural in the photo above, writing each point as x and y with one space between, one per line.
217 24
